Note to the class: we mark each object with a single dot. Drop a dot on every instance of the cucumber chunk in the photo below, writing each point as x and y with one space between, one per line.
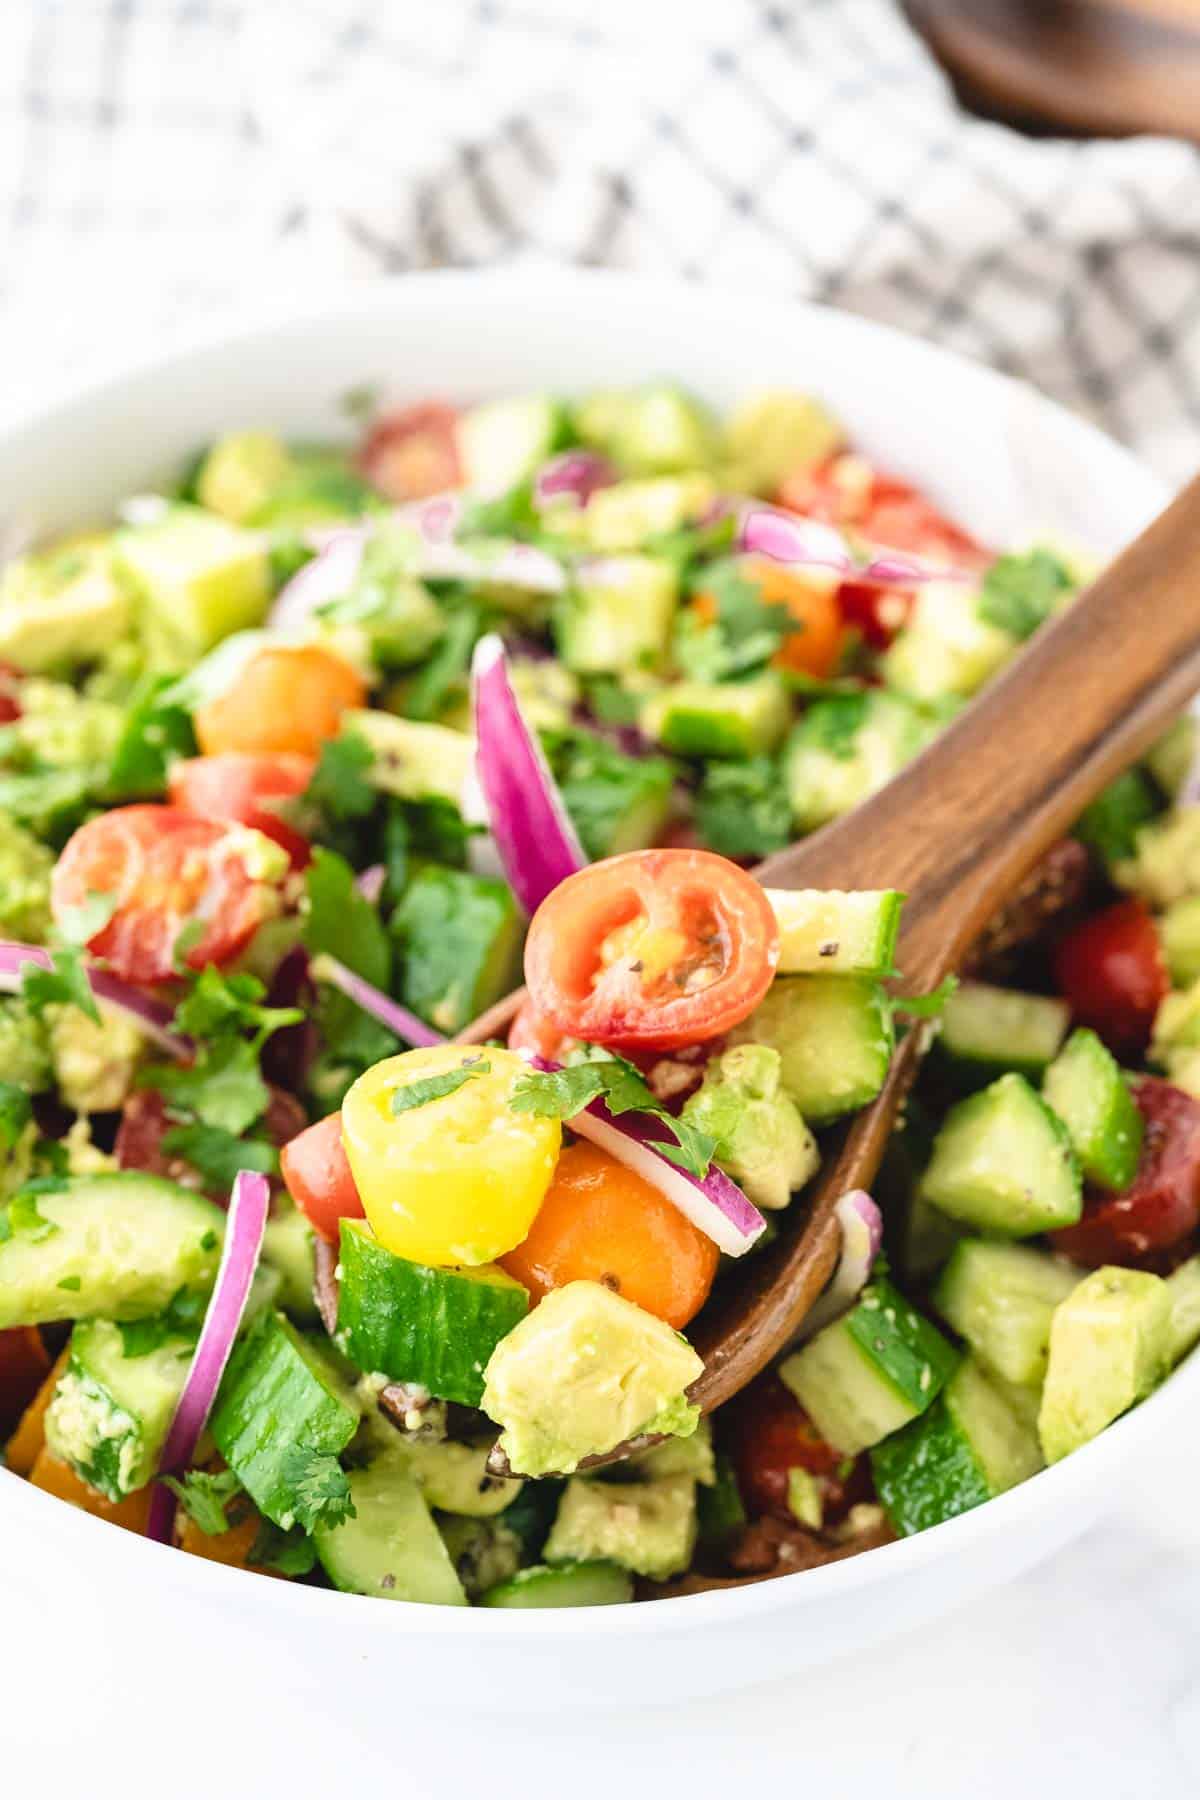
461 936
502 442
870 1372
831 933
1183 1289
647 1527
280 1390
847 747
1179 930
718 718
119 1246
111 1412
776 433
1003 1162
970 1446
288 1251
948 649
568 1584
437 1327
1091 1096
1001 1299
993 1029
412 760
835 1037
617 617
391 1548
1110 1343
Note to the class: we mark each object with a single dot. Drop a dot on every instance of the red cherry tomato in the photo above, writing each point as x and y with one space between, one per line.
652 950
318 1177
1161 1206
10 693
876 612
24 1360
850 492
245 790
414 452
530 1031
1111 971
769 1434
164 868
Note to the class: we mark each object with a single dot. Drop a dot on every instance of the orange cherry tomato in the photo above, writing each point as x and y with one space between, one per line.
164 868
652 950
602 1222
24 1360
54 1477
317 1174
286 698
245 790
815 647
412 453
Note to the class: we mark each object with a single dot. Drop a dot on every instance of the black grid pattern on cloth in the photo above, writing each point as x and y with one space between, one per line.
160 158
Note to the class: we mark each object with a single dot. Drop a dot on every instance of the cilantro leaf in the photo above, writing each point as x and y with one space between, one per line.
289 1552
744 632
435 1087
603 789
320 1492
340 923
204 1497
742 808
564 1092
339 787
220 1003
16 1110
926 1006
182 1318
218 1155
154 733
71 1283
446 669
223 1087
1019 592
65 983
21 1215
833 725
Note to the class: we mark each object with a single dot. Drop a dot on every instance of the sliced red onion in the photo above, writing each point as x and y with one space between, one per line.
862 1233
370 883
435 520
245 1224
571 477
151 1015
536 840
330 575
381 1006
789 538
498 563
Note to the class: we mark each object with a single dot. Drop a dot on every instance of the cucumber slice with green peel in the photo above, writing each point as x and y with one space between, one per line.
461 935
413 760
111 1412
437 1327
391 1548
1110 1343
870 1372
718 718
1179 930
1183 1289
831 933
502 442
116 1246
196 579
617 617
835 1038
1085 1087
280 1390
1003 1162
1001 1299
847 747
994 1029
970 1446
566 1584
1109 826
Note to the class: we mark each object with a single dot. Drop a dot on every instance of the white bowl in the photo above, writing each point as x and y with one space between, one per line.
997 457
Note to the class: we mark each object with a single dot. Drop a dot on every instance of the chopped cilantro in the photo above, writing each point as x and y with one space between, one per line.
926 1006
288 1552
606 792
219 1155
833 724
183 1318
446 670
320 1492
223 1087
742 808
1020 592
436 1087
71 1283
219 1003
204 1497
611 701
64 983
154 733
340 923
744 633
16 1110
506 515
339 788
565 1092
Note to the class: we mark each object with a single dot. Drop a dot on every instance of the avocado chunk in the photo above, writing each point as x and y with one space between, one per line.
647 1527
1170 759
948 649
413 761
1179 929
845 748
111 1411
240 473
616 618
195 578
761 1137
776 433
585 1370
62 607
94 1064
655 430
692 1456
631 514
1110 1343
1166 864
718 718
25 866
484 1552
461 936
502 442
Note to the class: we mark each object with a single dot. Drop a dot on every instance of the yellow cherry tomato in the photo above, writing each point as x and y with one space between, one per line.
448 1177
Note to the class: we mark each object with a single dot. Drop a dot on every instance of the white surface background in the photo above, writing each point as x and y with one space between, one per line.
1082 1678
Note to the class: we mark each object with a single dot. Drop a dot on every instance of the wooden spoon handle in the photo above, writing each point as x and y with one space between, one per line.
960 826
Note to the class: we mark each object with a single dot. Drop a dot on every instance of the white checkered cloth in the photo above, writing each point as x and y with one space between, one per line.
162 158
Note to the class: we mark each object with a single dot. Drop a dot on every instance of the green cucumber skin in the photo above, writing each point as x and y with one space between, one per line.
980 1172
276 1392
563 1584
390 1548
916 1359
132 1401
437 1327
1084 1086
926 1472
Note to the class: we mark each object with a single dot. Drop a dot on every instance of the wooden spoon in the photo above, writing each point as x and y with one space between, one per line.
957 831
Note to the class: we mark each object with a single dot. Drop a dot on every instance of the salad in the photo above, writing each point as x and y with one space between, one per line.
303 763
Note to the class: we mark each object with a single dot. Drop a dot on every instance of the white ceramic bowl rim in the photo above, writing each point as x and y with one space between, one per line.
45 1517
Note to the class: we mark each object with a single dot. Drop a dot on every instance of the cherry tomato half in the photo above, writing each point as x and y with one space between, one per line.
317 1175
849 491
286 698
652 950
1161 1206
414 452
769 1434
1111 971
603 1222
164 868
10 692
530 1031
245 790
